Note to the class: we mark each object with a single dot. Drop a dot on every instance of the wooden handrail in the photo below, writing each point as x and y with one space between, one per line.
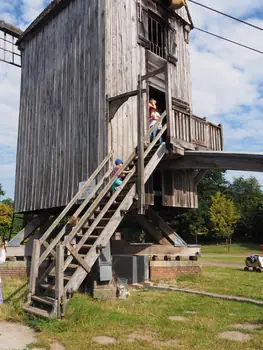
155 126
49 248
75 198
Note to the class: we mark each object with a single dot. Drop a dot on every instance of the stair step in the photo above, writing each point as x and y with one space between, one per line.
66 277
44 300
36 311
73 266
47 286
91 237
97 228
86 246
103 222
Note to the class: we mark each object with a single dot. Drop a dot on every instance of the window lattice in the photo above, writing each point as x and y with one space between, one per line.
156 32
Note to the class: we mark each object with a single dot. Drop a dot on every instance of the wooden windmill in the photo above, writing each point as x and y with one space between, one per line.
88 71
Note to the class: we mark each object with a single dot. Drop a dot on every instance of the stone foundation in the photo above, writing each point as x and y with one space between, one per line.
169 270
14 269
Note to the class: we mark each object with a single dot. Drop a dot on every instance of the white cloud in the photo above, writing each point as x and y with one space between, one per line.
227 79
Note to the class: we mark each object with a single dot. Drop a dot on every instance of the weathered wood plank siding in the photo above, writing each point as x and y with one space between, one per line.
62 129
125 59
179 76
179 189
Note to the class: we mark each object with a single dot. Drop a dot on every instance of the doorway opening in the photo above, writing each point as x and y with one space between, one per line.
160 98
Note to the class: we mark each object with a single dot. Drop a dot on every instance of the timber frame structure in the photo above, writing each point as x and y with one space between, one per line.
84 94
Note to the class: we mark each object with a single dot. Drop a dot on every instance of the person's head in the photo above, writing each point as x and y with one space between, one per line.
73 220
153 103
118 162
4 243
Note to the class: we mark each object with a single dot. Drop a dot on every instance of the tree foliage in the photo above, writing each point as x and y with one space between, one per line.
223 216
6 214
247 197
2 193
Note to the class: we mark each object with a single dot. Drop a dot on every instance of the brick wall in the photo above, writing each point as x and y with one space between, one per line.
14 269
169 270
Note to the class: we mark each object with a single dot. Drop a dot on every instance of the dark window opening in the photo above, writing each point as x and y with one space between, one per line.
156 30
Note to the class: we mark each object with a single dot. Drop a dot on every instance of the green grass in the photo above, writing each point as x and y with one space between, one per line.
226 281
14 293
147 312
236 248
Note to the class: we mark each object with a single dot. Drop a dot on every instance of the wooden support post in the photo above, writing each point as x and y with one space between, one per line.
169 113
59 278
221 137
140 150
34 267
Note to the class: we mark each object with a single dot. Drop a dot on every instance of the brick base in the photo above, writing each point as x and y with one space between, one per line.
169 270
14 269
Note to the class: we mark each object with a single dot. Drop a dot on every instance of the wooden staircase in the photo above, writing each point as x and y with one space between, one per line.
55 276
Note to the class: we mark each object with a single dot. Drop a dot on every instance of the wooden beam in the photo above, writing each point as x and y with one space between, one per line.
34 267
59 283
153 73
117 101
147 226
29 229
216 160
168 232
140 150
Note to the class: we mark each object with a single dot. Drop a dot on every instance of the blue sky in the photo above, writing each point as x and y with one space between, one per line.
227 80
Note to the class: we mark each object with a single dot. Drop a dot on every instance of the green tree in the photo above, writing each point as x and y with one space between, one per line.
6 214
2 193
223 216
196 222
9 202
248 198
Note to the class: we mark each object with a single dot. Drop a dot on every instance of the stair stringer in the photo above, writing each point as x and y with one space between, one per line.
80 274
29 229
168 232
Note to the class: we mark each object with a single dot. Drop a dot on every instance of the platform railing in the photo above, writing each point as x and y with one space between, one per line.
191 129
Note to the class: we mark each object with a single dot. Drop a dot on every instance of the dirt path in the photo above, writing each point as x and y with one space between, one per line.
14 336
223 264
224 255
209 294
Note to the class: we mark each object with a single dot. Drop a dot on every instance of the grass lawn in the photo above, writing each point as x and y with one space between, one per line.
226 281
146 313
236 248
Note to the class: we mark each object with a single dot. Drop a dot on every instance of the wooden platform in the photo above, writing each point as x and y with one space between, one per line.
215 160
124 248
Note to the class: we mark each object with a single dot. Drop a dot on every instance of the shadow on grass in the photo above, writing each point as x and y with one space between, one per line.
15 293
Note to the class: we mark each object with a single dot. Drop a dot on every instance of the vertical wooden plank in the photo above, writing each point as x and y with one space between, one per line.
59 285
140 123
149 192
34 267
